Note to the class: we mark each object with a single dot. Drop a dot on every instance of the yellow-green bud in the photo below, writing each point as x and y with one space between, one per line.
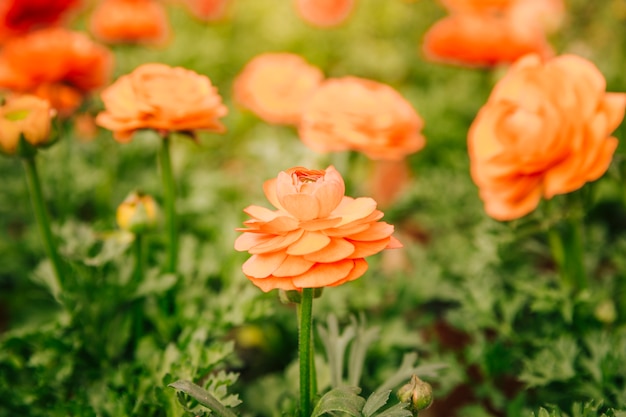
137 213
417 393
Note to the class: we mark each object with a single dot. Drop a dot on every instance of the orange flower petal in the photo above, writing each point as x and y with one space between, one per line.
360 267
263 265
309 242
273 283
363 249
375 231
322 275
277 242
301 206
336 250
292 266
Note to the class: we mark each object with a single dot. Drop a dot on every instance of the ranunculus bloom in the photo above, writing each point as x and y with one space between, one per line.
160 97
57 64
352 113
27 116
325 13
208 10
491 32
483 40
275 86
20 16
317 238
545 130
130 21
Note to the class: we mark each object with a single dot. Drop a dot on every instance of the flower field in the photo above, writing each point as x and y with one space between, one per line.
305 208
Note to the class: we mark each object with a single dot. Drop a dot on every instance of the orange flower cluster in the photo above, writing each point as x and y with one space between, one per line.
157 96
491 32
56 64
317 238
325 13
18 17
545 130
130 21
352 113
275 86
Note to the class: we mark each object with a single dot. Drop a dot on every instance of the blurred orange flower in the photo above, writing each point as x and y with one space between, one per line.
545 130
208 10
491 32
20 16
27 116
325 13
353 113
317 238
157 96
130 21
57 64
275 86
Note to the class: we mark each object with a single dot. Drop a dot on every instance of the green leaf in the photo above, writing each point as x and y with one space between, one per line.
343 399
375 401
203 397
398 410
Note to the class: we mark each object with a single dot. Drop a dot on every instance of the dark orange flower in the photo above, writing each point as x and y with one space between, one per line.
208 10
130 21
483 40
57 64
325 13
491 32
353 113
157 96
275 86
18 17
317 238
545 130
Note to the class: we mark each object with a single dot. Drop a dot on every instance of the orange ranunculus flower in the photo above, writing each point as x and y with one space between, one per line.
27 116
208 10
57 64
545 130
275 86
18 17
317 238
325 13
483 40
130 21
353 113
157 96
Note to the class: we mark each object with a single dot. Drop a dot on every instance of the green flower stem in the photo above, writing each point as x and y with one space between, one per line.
138 255
34 187
566 244
169 201
305 347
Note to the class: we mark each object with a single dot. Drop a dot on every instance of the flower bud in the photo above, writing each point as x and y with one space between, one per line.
137 213
417 393
25 124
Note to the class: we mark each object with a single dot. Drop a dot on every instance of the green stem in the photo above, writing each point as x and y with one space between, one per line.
304 344
566 244
34 187
138 255
169 201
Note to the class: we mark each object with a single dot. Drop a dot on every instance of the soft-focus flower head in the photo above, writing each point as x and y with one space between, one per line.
26 119
18 17
208 10
353 113
275 86
492 32
130 21
325 13
545 130
57 64
163 98
317 237
138 213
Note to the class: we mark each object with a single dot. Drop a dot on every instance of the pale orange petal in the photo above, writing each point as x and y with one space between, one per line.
276 243
273 283
301 206
336 250
262 265
292 266
322 275
375 231
360 267
364 249
309 242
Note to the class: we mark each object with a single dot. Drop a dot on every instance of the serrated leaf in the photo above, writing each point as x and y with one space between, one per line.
398 410
375 401
203 397
343 399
